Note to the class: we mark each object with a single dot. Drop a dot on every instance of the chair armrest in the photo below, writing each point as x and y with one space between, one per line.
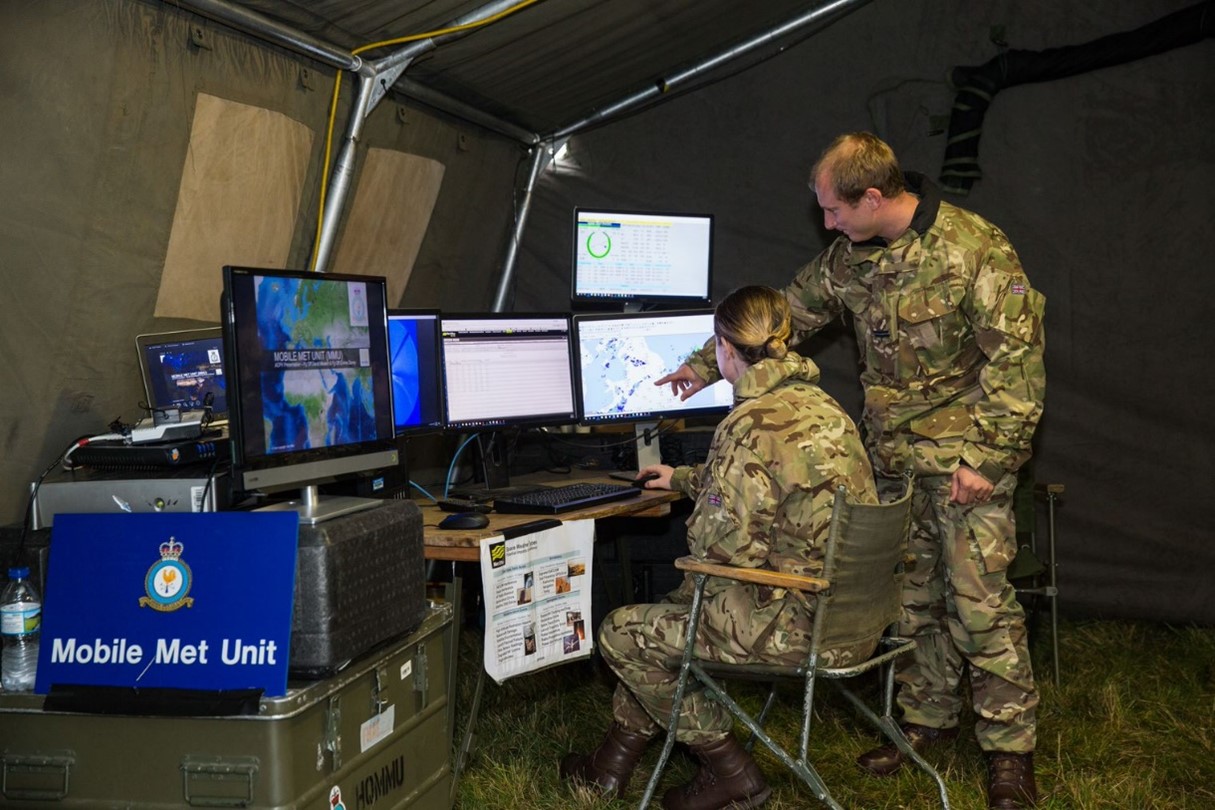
758 576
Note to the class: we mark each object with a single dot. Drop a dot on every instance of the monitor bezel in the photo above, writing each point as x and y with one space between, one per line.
418 430
649 416
683 301
271 472
472 426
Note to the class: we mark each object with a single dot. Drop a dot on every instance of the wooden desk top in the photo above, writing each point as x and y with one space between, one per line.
463 545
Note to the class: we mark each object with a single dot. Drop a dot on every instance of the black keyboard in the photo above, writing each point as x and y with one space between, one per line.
563 498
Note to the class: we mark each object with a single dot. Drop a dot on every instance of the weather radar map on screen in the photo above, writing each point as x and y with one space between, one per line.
620 358
317 391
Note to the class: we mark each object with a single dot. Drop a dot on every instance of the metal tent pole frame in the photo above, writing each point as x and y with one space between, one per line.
373 81
823 14
376 78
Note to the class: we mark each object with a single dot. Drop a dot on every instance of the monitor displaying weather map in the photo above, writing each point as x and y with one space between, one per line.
620 357
642 256
311 361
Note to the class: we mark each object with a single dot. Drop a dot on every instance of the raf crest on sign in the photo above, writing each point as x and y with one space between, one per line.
168 581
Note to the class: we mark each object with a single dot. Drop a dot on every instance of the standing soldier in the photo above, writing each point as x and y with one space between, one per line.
951 341
763 499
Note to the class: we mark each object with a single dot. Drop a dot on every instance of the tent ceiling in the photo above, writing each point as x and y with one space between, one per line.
556 62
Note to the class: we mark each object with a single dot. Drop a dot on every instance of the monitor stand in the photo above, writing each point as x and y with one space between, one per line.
493 463
648 451
314 509
492 471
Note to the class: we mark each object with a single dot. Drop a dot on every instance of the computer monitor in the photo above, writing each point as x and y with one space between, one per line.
309 383
505 370
619 356
417 387
179 369
642 257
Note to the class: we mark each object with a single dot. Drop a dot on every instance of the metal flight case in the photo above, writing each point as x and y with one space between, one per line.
376 735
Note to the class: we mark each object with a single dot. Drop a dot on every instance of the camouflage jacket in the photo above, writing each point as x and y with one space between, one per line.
950 335
763 496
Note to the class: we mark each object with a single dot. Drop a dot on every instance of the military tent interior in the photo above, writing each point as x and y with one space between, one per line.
146 143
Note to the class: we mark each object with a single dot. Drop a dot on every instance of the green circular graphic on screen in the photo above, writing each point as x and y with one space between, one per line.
598 244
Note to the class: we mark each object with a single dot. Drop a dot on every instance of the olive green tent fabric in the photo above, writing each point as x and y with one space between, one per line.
1102 182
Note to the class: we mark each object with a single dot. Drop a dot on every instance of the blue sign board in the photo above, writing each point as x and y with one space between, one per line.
191 601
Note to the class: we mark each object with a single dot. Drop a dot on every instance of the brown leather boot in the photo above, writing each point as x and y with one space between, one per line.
728 777
1010 781
888 758
609 766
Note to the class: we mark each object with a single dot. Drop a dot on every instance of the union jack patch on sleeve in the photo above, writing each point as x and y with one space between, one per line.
714 499
1017 289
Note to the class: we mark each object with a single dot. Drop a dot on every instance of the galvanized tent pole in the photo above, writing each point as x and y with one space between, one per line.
373 80
542 154
371 91
822 14
262 27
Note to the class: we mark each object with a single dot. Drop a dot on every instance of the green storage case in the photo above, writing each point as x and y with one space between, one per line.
377 735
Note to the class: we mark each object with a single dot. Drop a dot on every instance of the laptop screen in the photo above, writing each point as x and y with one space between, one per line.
180 368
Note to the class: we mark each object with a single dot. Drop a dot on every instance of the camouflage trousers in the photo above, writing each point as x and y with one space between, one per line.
963 613
643 645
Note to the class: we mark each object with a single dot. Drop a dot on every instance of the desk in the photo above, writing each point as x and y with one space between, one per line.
464 545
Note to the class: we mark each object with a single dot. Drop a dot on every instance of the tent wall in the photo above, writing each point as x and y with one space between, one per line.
1102 182
98 99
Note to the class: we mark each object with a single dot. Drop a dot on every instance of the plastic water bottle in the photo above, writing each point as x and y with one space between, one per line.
20 625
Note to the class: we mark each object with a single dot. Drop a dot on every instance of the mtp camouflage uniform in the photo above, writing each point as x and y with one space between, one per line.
763 500
951 342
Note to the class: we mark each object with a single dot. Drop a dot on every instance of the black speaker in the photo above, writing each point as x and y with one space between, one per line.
389 482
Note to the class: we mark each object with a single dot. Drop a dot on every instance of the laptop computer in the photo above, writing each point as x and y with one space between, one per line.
180 369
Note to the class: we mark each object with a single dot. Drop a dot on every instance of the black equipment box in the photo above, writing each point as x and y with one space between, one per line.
360 580
378 734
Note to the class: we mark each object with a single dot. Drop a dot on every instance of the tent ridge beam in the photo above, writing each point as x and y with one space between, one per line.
269 30
263 27
660 87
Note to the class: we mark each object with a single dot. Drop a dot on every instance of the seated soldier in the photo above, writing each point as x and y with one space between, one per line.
763 499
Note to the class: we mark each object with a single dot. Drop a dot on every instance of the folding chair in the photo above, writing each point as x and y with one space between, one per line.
858 597
1033 578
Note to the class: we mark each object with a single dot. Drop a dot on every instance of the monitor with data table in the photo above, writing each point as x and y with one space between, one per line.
505 370
642 257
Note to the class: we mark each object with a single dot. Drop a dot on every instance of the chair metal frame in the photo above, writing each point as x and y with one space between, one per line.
818 590
1028 564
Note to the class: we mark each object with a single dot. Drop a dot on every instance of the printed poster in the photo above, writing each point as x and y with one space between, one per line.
537 590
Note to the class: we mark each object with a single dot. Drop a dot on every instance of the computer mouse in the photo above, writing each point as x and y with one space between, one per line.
640 480
464 520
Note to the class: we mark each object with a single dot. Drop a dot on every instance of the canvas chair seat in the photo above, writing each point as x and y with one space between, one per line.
855 602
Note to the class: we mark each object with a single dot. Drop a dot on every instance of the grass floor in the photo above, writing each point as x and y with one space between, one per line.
1131 726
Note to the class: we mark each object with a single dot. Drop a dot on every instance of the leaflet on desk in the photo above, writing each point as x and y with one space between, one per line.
538 598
